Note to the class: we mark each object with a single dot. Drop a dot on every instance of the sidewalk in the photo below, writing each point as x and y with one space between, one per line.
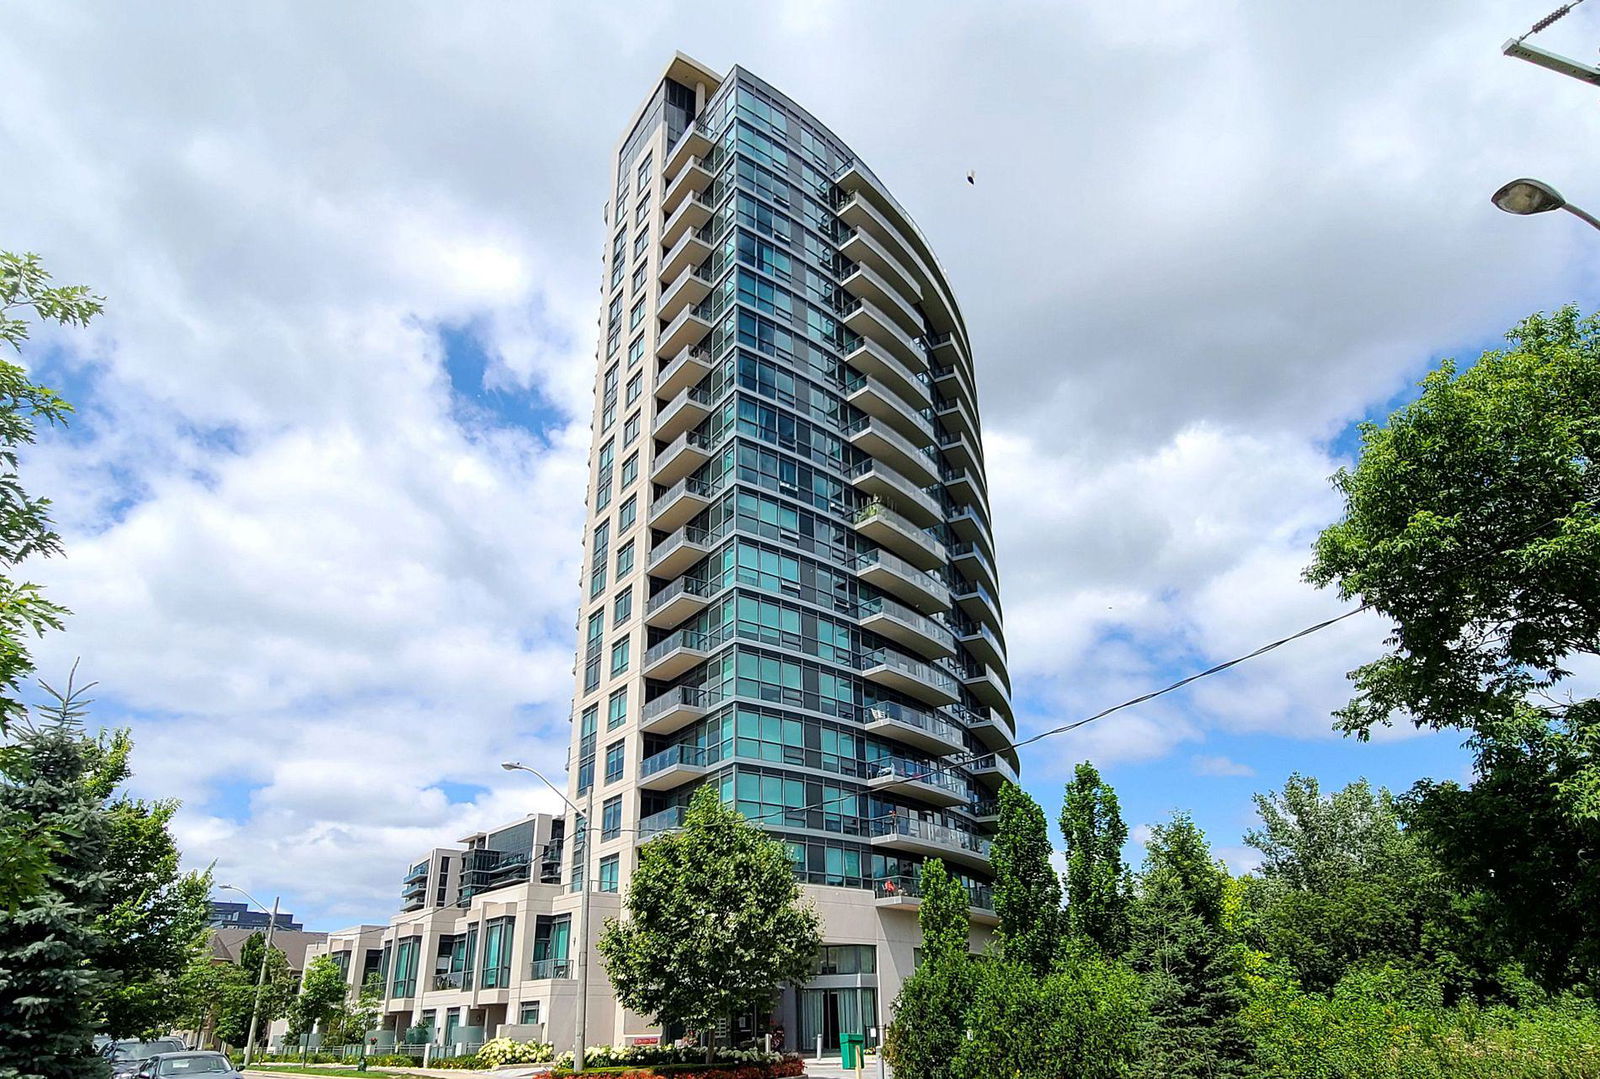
830 1068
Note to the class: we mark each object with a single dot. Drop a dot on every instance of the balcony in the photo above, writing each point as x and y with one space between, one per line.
904 626
682 599
951 348
871 358
693 178
861 247
987 684
978 603
986 811
881 403
956 415
689 288
951 379
905 893
885 527
925 682
673 767
875 437
547 969
982 643
993 770
970 523
863 201
679 653
687 368
993 728
974 564
668 820
696 141
689 328
674 710
880 481
920 781
865 283
683 413
911 836
679 504
960 451
679 551
691 215
457 980
692 249
900 578
924 730
680 457
874 324
964 485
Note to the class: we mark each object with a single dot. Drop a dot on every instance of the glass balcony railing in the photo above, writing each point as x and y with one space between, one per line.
690 586
672 756
928 832
919 772
907 885
925 673
919 622
692 639
915 717
656 823
551 968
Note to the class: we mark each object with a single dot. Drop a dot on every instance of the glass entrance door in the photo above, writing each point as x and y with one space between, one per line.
831 1012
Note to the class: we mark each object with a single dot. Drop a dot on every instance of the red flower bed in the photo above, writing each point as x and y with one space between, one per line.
693 1071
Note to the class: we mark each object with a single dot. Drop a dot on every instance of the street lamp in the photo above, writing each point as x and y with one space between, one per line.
581 1016
1525 196
261 977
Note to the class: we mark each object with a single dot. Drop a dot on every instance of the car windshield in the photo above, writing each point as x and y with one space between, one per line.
207 1065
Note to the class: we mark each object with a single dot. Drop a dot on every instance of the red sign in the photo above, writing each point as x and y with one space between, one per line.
645 1039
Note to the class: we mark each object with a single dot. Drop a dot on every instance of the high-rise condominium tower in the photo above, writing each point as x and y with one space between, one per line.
789 587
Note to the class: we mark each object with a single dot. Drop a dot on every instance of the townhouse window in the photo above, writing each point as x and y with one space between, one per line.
529 1013
611 817
497 942
610 867
619 657
617 709
622 607
614 758
625 553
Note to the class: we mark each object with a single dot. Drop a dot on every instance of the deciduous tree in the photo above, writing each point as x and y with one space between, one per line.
1027 893
929 1024
1097 882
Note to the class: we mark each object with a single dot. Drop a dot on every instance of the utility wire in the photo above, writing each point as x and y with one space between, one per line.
1554 17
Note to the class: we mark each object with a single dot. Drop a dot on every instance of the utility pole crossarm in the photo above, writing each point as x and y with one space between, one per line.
1553 61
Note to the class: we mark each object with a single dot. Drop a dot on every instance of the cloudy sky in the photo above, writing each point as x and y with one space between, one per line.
323 492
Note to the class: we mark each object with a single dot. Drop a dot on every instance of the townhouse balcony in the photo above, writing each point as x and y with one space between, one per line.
691 215
978 603
668 820
906 627
987 684
920 781
678 601
451 981
974 564
913 726
925 682
696 141
881 403
550 969
688 328
982 643
993 770
959 450
904 892
673 767
887 528
894 575
908 835
873 323
674 710
879 480
862 247
680 457
871 358
693 178
687 289
993 728
691 249
865 283
679 504
679 653
687 368
883 442
679 551
683 413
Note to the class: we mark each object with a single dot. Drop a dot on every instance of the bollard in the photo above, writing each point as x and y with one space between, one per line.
819 1046
767 1040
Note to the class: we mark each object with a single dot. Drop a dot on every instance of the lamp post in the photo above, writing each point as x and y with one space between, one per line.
581 1014
1525 197
261 976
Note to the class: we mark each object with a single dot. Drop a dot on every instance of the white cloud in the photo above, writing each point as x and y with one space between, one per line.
1205 765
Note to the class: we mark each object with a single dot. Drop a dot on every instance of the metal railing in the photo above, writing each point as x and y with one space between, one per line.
895 712
687 485
693 756
915 669
929 832
675 697
901 613
551 968
919 772
665 821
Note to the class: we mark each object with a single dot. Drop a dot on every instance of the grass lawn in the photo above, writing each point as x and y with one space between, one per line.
322 1069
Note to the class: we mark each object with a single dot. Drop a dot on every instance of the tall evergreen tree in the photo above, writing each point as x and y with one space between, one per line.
1189 958
1027 894
929 1024
1097 882
48 984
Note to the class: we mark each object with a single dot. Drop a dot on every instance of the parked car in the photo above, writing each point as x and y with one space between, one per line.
179 1065
126 1055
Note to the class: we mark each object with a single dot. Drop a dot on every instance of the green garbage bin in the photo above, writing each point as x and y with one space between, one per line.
850 1049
